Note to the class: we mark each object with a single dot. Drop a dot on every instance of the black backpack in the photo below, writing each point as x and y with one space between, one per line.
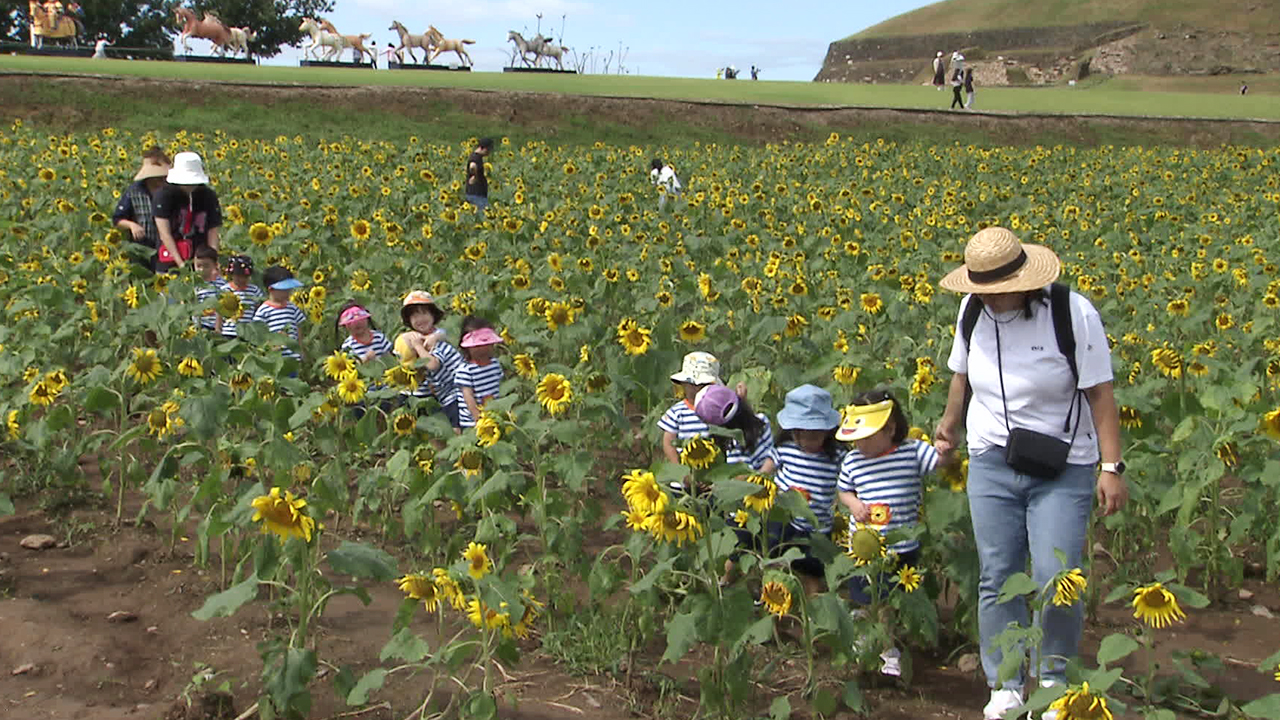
1059 307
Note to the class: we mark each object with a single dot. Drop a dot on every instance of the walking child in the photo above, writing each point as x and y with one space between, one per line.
423 344
278 313
211 285
364 341
480 375
239 270
681 422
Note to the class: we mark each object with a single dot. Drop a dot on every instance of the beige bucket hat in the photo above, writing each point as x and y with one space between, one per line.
151 168
995 261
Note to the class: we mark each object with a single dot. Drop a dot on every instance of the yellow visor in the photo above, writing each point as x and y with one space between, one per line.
863 421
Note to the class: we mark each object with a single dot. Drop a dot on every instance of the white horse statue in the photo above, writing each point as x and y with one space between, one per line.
443 45
411 41
539 47
240 39
332 43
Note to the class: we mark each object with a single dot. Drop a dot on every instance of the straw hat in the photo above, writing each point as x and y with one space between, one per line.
995 261
188 169
151 168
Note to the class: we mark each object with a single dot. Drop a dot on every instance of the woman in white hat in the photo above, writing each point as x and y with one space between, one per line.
188 214
135 212
1041 416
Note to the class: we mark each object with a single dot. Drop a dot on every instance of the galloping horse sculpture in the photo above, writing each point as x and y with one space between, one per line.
240 39
332 42
207 28
539 47
444 45
411 41
49 21
355 42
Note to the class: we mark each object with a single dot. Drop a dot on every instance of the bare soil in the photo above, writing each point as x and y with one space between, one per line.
61 657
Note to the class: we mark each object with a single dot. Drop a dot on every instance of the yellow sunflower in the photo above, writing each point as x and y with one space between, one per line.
865 545
1069 586
643 494
776 598
130 297
471 462
240 381
909 578
260 234
190 367
284 516
229 306
845 374
1081 704
525 366
871 302
1271 424
401 376
635 519
350 389
57 380
674 526
146 366
692 331
487 431
635 340
478 562
339 365
42 394
699 453
1156 606
404 423
360 229
761 500
554 393
449 588
420 587
560 314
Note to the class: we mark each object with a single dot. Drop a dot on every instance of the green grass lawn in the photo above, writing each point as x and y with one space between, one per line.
1107 98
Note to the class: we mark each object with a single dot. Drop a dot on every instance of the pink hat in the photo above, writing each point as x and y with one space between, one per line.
716 404
483 336
353 314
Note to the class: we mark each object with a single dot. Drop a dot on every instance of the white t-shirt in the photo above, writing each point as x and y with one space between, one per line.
665 177
1037 378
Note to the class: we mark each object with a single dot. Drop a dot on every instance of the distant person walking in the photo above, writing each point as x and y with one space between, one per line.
939 71
664 177
968 89
957 84
477 187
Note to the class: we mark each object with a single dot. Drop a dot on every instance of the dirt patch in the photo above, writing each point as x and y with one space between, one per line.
444 114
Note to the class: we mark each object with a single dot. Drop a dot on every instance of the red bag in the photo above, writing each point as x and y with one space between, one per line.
184 249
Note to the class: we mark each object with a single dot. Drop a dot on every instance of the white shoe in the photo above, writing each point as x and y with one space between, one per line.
1001 702
892 659
1050 714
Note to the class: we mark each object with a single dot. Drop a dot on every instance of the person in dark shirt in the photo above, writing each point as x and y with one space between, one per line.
477 186
188 214
957 85
135 212
968 88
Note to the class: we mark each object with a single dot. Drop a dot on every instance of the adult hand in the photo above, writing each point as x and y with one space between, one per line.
1112 492
137 231
944 438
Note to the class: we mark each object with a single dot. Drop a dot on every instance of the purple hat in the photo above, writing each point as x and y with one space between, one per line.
483 336
716 404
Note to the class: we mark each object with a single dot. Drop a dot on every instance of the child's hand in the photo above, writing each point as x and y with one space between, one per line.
946 453
370 355
741 389
429 341
858 510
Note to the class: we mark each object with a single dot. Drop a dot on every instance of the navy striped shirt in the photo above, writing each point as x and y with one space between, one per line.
483 381
378 344
250 298
439 384
284 320
814 476
205 291
757 455
892 479
683 421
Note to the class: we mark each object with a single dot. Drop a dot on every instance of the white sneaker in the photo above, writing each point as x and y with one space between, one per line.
892 659
1001 702
1050 714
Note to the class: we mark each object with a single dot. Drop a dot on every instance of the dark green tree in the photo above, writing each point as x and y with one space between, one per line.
143 23
275 21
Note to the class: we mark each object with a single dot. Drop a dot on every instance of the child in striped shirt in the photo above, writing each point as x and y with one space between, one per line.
239 269
880 485
364 342
477 378
210 287
681 422
423 344
808 461
278 313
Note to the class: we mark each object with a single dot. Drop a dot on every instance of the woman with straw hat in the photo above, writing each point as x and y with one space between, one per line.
1041 415
135 212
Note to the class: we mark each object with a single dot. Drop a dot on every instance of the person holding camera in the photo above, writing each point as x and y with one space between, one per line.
1033 382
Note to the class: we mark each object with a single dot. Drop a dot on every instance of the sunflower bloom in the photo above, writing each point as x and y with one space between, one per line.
420 587
42 394
284 516
643 494
190 367
478 562
401 376
635 340
1271 424
674 526
554 393
776 598
525 366
12 425
404 423
635 519
761 500
871 303
1156 606
1081 704
146 366
1068 587
470 463
699 453
692 331
449 589
240 381
351 388
866 545
487 431
910 578
339 365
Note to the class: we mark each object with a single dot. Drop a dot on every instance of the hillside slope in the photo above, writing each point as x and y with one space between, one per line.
953 16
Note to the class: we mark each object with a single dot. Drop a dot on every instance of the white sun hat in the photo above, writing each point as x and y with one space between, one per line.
188 169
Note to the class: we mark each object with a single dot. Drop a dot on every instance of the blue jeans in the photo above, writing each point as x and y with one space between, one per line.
1016 515
479 201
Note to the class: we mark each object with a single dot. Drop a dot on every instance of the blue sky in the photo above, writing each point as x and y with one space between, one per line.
659 37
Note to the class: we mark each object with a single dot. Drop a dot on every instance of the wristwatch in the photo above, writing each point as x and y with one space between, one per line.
1115 468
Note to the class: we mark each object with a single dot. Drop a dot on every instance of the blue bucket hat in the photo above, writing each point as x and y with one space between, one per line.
808 407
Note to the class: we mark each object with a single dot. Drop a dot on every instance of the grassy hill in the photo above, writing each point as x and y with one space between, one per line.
1251 16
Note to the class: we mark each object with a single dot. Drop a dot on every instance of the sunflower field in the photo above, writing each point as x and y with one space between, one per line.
792 263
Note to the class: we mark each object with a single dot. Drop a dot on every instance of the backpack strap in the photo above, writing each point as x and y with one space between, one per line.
969 320
1060 308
